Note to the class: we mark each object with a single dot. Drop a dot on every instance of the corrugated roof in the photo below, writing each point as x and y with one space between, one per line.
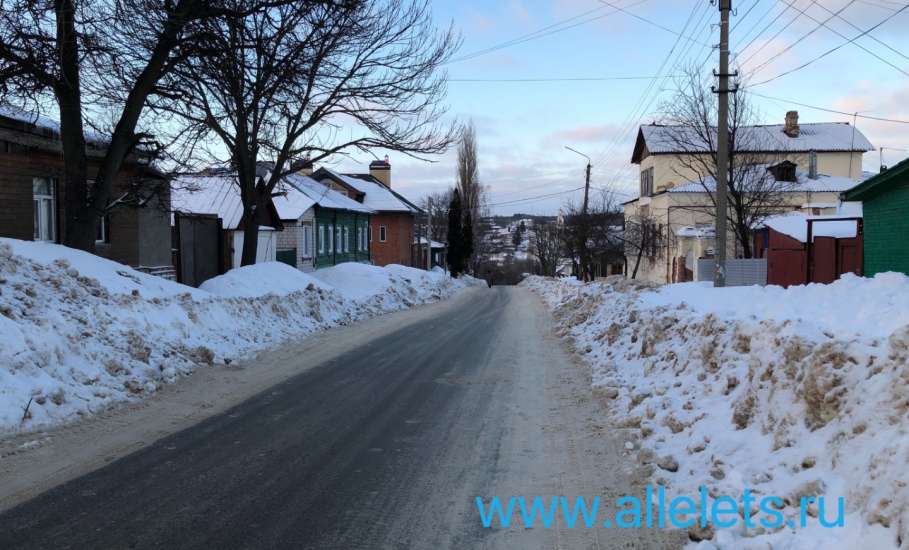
817 136
823 183
208 195
325 196
376 195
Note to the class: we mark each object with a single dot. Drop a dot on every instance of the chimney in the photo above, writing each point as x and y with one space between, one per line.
381 170
812 164
791 128
302 166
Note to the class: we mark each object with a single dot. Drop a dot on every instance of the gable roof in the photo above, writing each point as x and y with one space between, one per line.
656 139
324 196
879 183
374 193
213 194
795 225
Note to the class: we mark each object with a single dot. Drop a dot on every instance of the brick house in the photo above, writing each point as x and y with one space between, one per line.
392 225
885 201
31 192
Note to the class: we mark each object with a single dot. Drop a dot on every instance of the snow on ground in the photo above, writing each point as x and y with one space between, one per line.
78 332
789 392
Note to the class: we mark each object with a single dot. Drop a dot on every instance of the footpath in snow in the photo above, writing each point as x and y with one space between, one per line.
792 393
79 333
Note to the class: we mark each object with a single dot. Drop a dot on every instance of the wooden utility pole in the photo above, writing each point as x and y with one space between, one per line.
584 222
722 145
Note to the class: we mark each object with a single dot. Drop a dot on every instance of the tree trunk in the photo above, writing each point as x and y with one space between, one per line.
252 219
80 220
637 262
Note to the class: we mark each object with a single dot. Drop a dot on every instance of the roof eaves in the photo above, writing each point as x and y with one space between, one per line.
874 183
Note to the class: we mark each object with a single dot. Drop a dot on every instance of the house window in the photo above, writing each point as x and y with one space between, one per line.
346 239
44 203
360 239
647 182
331 238
307 241
369 233
339 245
383 234
103 233
321 238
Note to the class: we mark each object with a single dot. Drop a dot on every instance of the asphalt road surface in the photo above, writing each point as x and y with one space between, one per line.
383 446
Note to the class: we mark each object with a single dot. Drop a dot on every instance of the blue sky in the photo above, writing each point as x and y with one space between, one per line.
523 127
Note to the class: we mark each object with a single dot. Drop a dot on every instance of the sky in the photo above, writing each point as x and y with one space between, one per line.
524 127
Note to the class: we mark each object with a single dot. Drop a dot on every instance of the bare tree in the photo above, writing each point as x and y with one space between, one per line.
471 191
438 222
50 50
595 239
753 191
642 240
546 240
310 79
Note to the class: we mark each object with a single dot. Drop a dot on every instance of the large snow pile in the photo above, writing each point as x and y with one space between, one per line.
78 332
789 392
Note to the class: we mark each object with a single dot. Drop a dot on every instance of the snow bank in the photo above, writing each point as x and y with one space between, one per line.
254 281
789 392
78 332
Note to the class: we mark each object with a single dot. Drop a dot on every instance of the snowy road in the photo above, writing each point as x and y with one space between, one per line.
384 445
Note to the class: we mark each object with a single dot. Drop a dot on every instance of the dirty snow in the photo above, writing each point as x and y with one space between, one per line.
79 333
789 392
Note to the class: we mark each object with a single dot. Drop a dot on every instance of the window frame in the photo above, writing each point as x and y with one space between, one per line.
383 234
45 206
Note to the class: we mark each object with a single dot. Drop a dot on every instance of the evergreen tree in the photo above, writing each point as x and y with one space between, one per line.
467 251
455 236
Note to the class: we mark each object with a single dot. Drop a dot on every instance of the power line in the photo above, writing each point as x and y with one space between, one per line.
562 79
831 50
800 39
652 23
872 37
542 32
841 35
536 197
828 110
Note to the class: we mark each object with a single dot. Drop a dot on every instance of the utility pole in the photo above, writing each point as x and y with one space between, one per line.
584 222
722 145
429 235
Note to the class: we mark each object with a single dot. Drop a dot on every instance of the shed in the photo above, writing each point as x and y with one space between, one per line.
818 249
885 199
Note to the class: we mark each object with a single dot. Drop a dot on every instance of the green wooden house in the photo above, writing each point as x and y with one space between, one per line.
340 225
885 202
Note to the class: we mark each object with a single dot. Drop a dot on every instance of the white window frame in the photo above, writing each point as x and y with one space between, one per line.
104 228
331 238
339 244
321 238
346 239
45 228
383 234
306 253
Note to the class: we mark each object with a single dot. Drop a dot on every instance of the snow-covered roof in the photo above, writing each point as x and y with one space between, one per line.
290 202
435 244
325 196
208 195
376 195
795 225
804 184
818 136
48 124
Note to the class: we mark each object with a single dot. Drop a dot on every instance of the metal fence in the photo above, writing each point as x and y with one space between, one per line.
739 272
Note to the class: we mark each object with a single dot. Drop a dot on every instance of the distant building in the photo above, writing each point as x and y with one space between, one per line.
885 201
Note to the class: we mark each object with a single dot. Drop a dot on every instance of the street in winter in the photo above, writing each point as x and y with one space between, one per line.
402 274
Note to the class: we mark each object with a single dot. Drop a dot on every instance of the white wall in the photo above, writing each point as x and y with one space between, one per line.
264 253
